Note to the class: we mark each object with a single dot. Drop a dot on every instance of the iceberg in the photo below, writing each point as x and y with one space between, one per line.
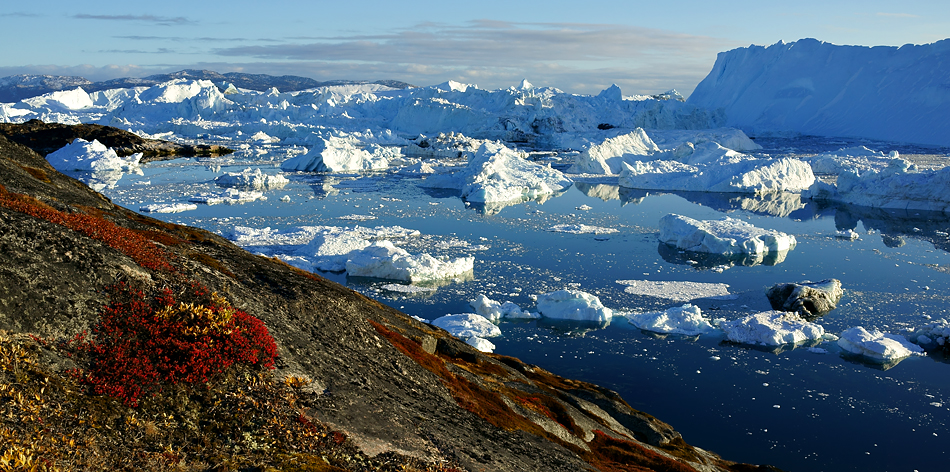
933 335
498 174
817 88
573 305
880 347
727 236
495 311
581 229
900 185
858 158
687 320
772 328
251 180
677 290
168 207
467 325
716 169
230 196
383 260
337 155
607 157
90 156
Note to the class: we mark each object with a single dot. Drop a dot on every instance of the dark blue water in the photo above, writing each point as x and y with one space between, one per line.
796 409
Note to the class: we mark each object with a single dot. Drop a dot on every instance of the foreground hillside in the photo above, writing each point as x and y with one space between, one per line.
355 385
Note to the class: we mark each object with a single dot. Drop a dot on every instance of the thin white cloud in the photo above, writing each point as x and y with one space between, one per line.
897 15
160 20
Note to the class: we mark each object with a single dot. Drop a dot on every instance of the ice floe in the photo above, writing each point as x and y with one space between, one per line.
581 229
337 154
677 290
90 156
933 335
876 345
858 158
383 260
495 311
467 325
772 328
251 180
498 174
687 320
716 170
573 305
168 207
727 236
230 196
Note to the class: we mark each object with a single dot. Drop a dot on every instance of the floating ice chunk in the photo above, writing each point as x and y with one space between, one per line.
383 260
467 325
852 158
401 288
581 229
899 185
727 236
677 291
356 217
495 311
90 156
687 319
573 305
168 207
720 174
443 145
606 157
65 100
771 328
848 234
253 180
336 155
330 250
481 344
875 345
230 196
498 174
933 335
263 137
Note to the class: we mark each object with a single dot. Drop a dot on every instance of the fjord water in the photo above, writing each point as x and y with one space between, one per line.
799 409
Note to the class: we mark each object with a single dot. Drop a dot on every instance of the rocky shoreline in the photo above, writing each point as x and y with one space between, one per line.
393 390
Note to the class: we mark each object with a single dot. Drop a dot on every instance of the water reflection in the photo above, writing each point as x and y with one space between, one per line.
895 224
781 204
571 328
704 261
773 349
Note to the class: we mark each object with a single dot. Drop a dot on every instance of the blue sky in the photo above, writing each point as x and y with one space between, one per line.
577 46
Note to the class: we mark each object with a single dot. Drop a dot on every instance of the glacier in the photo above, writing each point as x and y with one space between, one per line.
818 88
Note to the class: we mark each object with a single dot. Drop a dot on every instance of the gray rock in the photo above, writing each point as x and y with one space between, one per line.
808 299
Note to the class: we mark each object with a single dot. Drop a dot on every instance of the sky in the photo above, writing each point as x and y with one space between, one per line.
577 46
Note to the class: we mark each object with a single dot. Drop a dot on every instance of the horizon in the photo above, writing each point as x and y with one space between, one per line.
645 49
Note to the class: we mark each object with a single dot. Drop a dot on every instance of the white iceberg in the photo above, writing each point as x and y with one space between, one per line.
230 196
858 158
573 305
679 291
467 325
337 155
607 156
251 180
727 236
714 171
877 346
481 344
772 328
498 174
495 311
687 320
383 260
90 156
168 207
581 229
935 334
900 185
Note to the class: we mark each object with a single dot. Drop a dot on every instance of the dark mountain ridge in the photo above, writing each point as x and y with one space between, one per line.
17 87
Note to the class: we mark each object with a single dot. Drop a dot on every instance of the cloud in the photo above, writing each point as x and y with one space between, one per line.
897 15
160 20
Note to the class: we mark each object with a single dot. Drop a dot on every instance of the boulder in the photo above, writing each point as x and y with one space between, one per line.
808 299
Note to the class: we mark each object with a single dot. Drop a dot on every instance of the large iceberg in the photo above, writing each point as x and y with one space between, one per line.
727 236
687 320
90 156
772 328
899 185
817 88
338 155
573 305
712 168
498 174
251 180
606 157
383 260
877 346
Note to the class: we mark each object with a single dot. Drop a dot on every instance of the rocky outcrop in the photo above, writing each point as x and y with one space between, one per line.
45 138
808 299
390 384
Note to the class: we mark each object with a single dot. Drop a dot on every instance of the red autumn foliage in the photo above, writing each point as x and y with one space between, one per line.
141 344
139 248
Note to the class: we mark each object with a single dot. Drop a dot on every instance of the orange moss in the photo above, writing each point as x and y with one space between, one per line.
38 174
611 454
144 252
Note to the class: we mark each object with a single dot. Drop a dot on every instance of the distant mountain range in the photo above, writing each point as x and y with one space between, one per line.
17 87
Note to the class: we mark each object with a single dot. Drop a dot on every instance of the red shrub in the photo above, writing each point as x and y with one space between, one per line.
140 344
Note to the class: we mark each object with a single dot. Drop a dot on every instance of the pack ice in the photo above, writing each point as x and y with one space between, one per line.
687 320
727 236
817 88
899 185
573 305
772 328
877 346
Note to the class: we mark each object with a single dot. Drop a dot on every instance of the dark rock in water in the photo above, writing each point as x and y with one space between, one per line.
45 138
808 299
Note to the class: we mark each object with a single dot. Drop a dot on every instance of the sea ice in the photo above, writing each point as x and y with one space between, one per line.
687 320
383 260
727 236
168 207
90 156
877 346
858 158
495 311
573 305
498 174
581 229
230 196
933 335
899 185
467 325
771 328
251 180
677 290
